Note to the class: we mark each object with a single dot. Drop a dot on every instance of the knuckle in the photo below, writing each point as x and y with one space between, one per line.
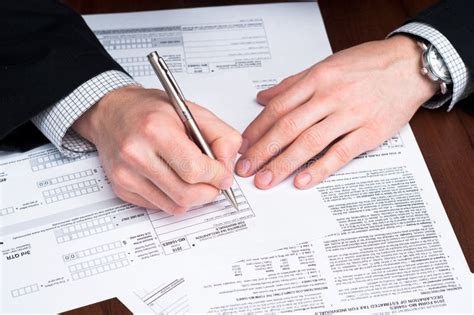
320 173
342 153
128 151
260 152
277 107
281 166
235 138
191 170
184 198
120 177
149 126
288 125
312 139
217 171
273 149
324 71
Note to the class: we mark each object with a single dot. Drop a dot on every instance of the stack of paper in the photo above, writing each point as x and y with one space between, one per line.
372 238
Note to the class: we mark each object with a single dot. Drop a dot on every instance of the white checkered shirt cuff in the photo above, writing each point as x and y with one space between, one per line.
457 68
56 121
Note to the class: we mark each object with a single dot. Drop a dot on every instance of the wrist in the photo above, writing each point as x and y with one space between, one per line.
407 51
89 124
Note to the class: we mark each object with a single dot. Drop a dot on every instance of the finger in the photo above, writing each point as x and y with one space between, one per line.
299 93
188 162
341 153
224 140
126 182
305 147
263 97
284 132
180 192
134 199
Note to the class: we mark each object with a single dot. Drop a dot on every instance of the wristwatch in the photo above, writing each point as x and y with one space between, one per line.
434 67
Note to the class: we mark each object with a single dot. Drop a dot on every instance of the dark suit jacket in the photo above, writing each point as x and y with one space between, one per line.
47 50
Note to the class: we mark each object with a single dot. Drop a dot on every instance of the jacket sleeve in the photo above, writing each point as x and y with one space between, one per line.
46 51
455 20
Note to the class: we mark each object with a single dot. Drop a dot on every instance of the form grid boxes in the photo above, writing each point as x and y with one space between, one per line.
84 229
139 70
6 211
50 160
92 251
99 265
130 60
71 191
131 43
139 38
140 67
64 178
25 290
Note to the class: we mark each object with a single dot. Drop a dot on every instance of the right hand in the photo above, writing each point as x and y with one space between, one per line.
146 153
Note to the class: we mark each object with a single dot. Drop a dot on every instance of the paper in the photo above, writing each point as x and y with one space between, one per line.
68 241
258 40
396 253
66 220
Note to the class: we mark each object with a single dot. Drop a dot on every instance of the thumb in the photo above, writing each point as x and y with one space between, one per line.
226 148
224 140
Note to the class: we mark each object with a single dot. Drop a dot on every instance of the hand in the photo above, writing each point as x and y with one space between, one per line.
354 100
147 155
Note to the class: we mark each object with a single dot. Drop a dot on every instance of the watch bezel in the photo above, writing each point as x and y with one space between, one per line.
434 72
427 70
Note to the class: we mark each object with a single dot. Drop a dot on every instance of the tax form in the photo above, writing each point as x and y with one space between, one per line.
68 241
62 217
394 249
396 253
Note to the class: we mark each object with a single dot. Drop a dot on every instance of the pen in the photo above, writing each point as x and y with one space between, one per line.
179 103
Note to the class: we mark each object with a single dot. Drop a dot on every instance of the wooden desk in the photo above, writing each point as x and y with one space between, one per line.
446 139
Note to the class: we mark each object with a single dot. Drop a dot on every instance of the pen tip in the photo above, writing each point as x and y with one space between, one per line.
231 197
235 204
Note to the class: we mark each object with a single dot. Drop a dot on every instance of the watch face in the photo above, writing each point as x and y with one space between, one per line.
437 64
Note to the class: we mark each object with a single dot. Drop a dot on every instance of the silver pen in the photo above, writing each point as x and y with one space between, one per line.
179 103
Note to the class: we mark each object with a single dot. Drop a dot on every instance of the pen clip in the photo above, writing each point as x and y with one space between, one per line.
171 78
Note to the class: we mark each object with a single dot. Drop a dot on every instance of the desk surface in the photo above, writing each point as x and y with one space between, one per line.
446 139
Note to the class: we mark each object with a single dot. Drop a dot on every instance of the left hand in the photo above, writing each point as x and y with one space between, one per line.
354 100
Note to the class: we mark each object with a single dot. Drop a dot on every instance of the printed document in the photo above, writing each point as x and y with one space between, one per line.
396 253
63 231
372 238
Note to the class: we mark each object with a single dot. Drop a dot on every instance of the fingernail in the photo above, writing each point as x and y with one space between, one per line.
264 177
226 183
244 146
243 167
303 180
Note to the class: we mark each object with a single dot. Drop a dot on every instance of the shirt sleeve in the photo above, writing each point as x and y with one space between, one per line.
459 73
55 122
